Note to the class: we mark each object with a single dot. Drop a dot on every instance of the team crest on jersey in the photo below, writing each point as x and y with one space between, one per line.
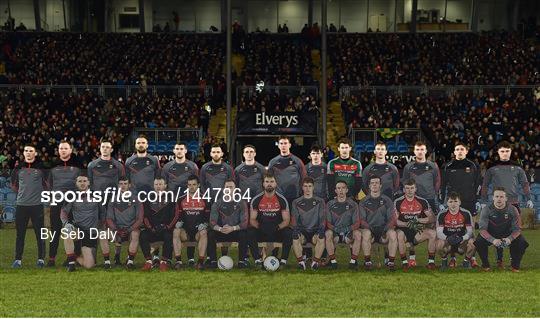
512 167
255 169
314 203
347 207
467 169
381 202
221 169
110 166
290 162
505 216
426 168
186 168
147 162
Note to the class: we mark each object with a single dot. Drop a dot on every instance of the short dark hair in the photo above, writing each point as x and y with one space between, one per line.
66 142
316 148
344 140
499 188
308 180
193 177
343 182
250 146
30 145
410 182
269 174
181 143
142 136
454 195
380 143
284 137
460 143
105 140
160 178
123 178
216 145
230 180
420 143
374 177
504 144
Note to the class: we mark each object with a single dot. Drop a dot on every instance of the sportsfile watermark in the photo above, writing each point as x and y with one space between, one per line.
114 195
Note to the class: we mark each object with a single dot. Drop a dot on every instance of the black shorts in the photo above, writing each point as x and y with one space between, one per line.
378 235
308 235
409 235
191 232
158 236
278 236
85 241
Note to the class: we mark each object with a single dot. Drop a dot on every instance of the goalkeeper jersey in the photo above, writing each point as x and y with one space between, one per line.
348 170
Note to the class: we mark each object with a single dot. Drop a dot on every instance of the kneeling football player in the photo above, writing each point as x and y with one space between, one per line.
308 224
192 224
269 220
81 217
126 218
343 225
455 233
160 218
414 218
228 223
378 220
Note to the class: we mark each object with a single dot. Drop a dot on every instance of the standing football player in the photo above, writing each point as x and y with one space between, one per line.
345 168
316 169
29 180
105 172
387 172
249 174
214 173
141 167
62 178
177 171
288 169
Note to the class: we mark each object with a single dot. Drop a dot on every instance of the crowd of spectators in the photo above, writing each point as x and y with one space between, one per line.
45 118
432 59
481 120
270 102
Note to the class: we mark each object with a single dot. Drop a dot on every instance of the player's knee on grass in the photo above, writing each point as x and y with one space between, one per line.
88 257
202 234
441 245
329 235
366 235
182 234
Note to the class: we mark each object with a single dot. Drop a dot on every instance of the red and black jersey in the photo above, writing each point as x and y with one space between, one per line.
454 223
193 211
411 209
160 213
269 209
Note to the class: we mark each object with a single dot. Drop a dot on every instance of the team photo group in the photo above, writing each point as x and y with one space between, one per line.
267 210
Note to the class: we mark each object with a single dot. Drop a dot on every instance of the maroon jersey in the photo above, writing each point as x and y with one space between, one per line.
411 209
193 211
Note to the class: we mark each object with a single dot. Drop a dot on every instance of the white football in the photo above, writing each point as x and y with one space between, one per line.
271 263
225 263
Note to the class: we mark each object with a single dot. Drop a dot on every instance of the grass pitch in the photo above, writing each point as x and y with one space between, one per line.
30 292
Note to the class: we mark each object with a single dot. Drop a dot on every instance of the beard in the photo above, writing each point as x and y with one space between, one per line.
269 189
141 150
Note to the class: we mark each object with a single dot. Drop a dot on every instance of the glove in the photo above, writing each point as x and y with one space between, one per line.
295 234
503 244
414 225
202 226
454 240
530 204
342 237
179 225
442 208
482 206
69 227
321 233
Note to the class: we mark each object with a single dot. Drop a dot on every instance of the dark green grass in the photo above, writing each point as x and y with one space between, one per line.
255 293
